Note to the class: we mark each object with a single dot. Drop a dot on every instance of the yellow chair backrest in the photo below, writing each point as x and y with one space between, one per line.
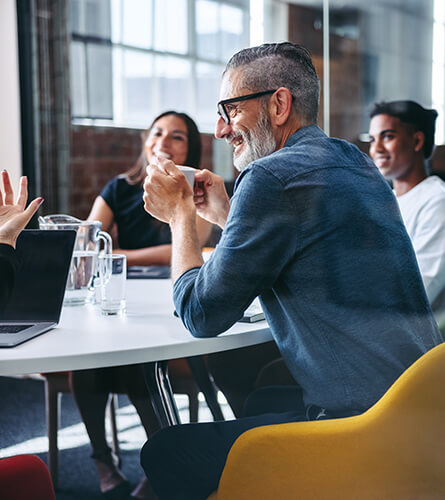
395 450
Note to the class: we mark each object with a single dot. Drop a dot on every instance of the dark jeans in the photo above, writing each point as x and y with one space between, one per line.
185 462
236 372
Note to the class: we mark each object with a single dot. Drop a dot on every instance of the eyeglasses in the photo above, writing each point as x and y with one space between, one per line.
222 110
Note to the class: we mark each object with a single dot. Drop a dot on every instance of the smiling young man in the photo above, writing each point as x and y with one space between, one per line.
401 138
314 230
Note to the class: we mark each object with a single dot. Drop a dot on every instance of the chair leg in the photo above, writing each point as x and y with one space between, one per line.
52 402
193 406
199 370
111 409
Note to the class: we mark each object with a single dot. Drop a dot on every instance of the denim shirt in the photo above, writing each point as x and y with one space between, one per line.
315 231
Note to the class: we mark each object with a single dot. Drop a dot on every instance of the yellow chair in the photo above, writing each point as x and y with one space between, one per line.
394 451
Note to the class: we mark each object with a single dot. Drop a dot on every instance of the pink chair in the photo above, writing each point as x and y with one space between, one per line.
23 477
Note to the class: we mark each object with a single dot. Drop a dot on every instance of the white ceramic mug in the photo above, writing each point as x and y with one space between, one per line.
189 173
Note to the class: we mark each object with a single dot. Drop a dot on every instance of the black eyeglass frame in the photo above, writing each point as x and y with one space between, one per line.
222 112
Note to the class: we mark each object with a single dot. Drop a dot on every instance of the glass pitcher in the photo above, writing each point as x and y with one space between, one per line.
83 269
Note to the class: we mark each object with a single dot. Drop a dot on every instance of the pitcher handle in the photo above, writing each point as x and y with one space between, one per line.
108 243
108 249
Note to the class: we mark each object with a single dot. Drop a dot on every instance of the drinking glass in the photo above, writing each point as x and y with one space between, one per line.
113 277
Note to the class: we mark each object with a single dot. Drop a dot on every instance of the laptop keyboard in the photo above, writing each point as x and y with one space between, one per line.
13 328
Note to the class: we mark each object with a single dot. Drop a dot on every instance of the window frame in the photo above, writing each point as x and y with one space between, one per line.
191 55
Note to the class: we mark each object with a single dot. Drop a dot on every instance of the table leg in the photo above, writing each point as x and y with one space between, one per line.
161 394
201 374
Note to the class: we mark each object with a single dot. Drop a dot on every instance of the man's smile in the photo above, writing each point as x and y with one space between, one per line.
236 142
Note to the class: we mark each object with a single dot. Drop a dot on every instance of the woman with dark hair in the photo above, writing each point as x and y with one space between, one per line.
142 238
145 241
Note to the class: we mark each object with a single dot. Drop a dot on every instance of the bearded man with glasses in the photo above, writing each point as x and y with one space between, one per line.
314 230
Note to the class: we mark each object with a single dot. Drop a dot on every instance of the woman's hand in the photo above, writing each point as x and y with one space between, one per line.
13 216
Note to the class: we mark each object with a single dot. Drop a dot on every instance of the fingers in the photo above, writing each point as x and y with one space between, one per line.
150 169
23 192
199 188
168 166
8 196
199 194
26 216
146 202
203 179
204 176
160 167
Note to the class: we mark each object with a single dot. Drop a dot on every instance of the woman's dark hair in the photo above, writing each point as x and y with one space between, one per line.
136 174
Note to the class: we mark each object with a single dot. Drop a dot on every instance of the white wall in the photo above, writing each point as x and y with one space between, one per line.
10 140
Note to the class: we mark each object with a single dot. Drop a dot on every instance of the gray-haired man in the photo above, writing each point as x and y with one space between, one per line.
314 230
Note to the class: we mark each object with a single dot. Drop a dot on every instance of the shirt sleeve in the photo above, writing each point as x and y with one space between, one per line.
255 246
8 266
429 245
109 193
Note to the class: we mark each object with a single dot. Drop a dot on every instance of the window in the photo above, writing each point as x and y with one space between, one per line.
91 49
133 59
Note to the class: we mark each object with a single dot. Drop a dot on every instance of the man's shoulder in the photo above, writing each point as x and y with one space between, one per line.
309 149
429 191
425 203
435 185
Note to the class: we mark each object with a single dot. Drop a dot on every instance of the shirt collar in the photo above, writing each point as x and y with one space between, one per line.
309 132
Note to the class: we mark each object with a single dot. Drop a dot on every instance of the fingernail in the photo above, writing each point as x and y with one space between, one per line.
40 200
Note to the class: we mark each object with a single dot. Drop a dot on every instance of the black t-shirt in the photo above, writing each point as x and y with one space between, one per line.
136 228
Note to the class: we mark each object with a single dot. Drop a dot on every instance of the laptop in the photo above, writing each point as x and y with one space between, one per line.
36 300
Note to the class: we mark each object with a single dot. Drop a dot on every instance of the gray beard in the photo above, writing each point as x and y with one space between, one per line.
259 142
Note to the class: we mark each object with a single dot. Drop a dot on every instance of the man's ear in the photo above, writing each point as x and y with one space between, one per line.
419 141
280 106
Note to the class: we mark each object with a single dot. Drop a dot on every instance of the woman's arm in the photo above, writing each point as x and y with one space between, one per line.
158 255
102 212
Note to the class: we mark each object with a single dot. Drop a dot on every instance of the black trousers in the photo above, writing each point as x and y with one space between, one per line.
185 462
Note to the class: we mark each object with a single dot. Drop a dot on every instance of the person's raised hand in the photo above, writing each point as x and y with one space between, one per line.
167 194
14 215
211 199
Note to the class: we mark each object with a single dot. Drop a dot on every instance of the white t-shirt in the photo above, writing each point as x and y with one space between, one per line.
423 211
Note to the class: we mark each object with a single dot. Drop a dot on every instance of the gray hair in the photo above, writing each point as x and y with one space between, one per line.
273 65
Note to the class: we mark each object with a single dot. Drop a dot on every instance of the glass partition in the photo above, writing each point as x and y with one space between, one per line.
380 50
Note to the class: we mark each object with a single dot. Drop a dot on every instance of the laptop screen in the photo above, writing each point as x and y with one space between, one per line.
44 259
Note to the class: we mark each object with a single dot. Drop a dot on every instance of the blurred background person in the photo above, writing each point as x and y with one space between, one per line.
145 241
401 139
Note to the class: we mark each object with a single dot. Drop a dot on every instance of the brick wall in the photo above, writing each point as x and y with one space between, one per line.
98 154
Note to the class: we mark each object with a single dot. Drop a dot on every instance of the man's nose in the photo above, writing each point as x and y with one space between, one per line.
222 128
375 147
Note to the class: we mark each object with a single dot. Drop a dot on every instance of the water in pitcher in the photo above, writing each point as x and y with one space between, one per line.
83 269
79 287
